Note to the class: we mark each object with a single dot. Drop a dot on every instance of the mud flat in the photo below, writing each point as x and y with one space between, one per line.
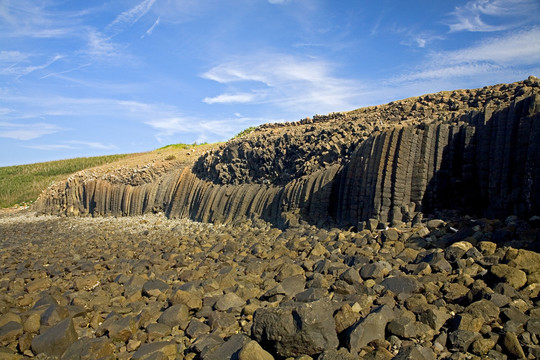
149 287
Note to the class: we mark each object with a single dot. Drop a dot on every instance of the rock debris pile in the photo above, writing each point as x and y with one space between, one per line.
148 287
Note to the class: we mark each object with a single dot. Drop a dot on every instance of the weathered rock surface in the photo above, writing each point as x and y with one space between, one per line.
295 329
474 151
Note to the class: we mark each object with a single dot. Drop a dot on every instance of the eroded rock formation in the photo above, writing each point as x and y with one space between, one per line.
474 151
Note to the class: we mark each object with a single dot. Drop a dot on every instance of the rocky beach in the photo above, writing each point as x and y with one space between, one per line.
402 231
148 287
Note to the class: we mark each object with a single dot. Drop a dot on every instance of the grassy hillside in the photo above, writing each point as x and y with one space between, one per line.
22 184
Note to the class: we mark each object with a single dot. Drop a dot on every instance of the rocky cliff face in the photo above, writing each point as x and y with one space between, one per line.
474 151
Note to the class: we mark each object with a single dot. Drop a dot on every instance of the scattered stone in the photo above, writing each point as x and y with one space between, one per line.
415 352
154 287
512 345
10 332
90 348
56 339
401 284
175 315
368 329
512 276
157 350
191 300
228 349
253 351
197 328
86 283
122 328
229 302
335 354
482 347
375 270
461 340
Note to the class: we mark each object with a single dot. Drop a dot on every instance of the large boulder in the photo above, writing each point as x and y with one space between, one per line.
56 339
296 328
370 328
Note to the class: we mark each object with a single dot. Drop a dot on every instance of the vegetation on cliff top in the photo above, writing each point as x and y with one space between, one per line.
21 184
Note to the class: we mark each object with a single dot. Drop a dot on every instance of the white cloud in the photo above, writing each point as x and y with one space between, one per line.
516 48
12 56
29 18
154 25
91 144
230 98
51 147
294 83
476 15
421 39
131 16
204 129
26 131
72 145
496 55
100 45
277 1
17 70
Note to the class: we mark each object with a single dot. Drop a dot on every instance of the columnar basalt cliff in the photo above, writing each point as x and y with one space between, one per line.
472 151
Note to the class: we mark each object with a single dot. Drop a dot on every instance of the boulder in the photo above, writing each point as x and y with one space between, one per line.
253 351
157 350
56 339
89 349
296 328
370 328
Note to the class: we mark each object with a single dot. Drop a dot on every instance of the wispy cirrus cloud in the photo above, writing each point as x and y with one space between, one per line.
72 145
495 55
12 57
420 39
205 130
231 98
32 19
493 15
25 132
101 47
151 29
166 121
298 84
18 69
131 16
91 144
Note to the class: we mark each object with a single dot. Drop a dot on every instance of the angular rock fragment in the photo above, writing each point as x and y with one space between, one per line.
299 328
368 329
56 339
253 351
157 350
87 348
10 332
175 315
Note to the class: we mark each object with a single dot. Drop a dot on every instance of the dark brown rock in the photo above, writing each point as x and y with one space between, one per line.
56 339
304 328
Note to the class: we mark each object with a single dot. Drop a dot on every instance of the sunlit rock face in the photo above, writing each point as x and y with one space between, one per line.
472 151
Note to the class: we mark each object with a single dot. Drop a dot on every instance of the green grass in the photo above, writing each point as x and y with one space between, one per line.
22 184
181 146
245 132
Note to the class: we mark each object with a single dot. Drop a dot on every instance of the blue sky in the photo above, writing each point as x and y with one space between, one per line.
85 78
